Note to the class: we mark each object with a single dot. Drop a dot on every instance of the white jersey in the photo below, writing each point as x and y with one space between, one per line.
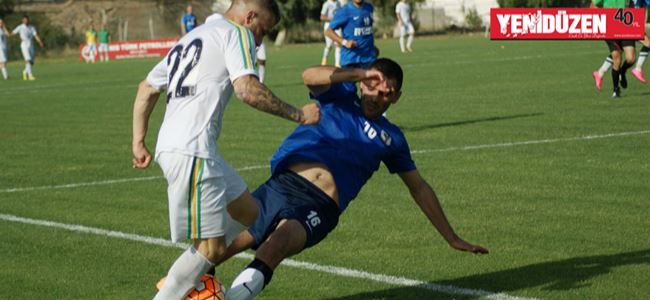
329 9
198 73
404 11
26 33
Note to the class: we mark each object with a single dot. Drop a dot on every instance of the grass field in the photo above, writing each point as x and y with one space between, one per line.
527 157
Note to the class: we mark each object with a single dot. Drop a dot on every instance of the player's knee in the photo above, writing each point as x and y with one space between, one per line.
213 249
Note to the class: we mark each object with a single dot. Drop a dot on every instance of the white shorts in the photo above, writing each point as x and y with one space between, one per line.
3 55
92 48
406 28
199 191
103 48
261 52
28 52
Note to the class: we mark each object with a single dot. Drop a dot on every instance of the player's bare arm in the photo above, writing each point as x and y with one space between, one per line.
319 78
257 95
39 41
426 198
144 103
330 33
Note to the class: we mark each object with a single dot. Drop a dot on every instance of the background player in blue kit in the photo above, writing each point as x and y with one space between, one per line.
319 169
355 21
188 21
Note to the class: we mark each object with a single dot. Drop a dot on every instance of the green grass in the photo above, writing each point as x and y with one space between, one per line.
563 220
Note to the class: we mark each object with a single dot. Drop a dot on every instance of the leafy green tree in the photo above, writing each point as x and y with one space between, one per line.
6 7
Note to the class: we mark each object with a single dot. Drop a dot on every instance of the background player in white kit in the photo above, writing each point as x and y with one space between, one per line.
27 32
326 14
403 12
199 74
3 49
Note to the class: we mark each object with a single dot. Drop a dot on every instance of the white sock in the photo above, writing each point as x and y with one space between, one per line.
261 70
409 42
28 69
337 56
247 285
326 53
184 275
4 73
643 55
401 43
605 67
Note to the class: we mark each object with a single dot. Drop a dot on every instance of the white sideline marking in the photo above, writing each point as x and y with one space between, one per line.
104 182
339 271
465 148
547 141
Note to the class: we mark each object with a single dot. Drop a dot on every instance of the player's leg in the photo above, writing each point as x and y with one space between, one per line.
643 56
411 32
197 194
288 239
326 50
402 33
616 65
598 74
630 58
294 215
3 68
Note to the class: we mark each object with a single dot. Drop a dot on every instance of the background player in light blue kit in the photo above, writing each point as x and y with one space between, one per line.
320 168
355 21
188 21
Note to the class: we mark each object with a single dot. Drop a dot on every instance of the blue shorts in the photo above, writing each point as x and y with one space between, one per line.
287 195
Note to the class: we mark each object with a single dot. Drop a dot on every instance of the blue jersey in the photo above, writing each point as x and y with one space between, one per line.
349 144
189 20
641 3
356 25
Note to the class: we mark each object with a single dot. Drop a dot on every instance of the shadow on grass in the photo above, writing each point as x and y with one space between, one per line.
562 275
466 122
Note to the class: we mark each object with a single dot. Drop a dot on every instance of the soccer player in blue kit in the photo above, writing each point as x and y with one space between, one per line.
355 20
320 168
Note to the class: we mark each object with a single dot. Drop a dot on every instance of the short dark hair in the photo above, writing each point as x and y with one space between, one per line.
269 5
390 69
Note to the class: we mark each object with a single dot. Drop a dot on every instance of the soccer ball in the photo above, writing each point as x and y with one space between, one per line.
209 289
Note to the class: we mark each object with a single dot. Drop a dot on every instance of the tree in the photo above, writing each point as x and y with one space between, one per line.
6 7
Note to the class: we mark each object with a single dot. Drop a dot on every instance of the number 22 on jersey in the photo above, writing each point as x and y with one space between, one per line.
180 63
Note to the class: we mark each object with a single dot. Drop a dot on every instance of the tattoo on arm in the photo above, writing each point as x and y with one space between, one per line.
255 94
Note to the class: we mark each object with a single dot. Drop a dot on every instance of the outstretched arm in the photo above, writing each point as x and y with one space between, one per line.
426 198
319 78
250 90
144 103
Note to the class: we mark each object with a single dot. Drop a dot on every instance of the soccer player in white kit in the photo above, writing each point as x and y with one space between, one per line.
403 12
199 75
326 14
27 32
3 49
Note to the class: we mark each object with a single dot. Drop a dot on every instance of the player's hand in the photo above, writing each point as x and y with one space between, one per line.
373 78
461 245
311 114
349 44
141 156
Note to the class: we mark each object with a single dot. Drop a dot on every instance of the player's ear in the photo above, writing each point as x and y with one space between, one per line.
249 17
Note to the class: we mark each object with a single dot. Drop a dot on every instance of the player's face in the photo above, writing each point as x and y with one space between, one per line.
377 96
358 2
25 21
259 24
